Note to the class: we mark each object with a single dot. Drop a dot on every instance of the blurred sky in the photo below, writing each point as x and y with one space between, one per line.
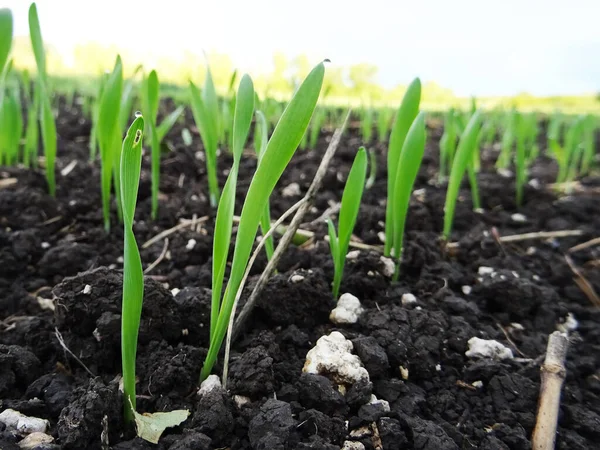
474 47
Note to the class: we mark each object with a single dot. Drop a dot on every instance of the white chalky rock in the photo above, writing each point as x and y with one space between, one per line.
466 289
291 190
518 217
175 291
408 299
22 423
376 401
354 254
331 356
241 400
387 266
570 324
477 384
484 270
353 445
534 183
190 244
483 348
296 278
347 311
211 383
87 289
45 245
35 440
381 236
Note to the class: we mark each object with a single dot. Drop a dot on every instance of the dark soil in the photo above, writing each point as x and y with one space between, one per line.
56 249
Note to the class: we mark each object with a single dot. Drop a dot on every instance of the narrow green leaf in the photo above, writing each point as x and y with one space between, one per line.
406 174
133 276
165 126
223 224
407 112
6 35
280 148
37 43
459 165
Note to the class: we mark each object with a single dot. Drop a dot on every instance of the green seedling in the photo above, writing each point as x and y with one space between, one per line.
520 162
409 108
447 144
49 137
315 127
96 116
109 137
244 109
366 125
281 146
339 242
133 276
127 98
508 140
205 108
384 119
406 174
589 144
372 169
261 137
150 99
461 160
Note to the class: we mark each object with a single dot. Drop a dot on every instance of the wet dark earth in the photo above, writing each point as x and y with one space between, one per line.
60 295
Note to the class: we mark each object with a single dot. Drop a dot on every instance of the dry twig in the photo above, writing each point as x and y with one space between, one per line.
61 341
163 234
292 228
162 255
528 237
584 245
553 375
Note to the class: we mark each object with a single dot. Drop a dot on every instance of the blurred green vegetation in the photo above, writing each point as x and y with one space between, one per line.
355 85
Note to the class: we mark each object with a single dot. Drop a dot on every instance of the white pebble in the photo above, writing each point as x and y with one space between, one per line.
353 445
484 270
332 356
404 373
518 217
466 289
408 299
190 244
175 291
534 183
388 266
22 423
484 348
479 211
530 251
241 400
87 289
376 401
35 440
120 260
438 367
45 245
296 278
477 384
291 190
381 236
535 278
211 383
347 311
354 254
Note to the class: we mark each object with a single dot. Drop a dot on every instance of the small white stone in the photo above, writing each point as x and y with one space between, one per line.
241 400
466 289
517 326
505 173
211 383
199 156
45 245
570 324
194 198
361 432
87 289
291 190
534 183
438 367
370 273
347 311
418 308
120 260
354 254
408 299
22 423
35 440
387 266
377 401
296 278
484 348
72 202
332 356
477 384
175 291
190 244
535 278
518 217
530 251
381 236
404 373
479 211
484 270
515 274
353 445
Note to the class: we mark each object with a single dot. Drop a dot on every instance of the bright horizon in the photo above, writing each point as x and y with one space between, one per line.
471 47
